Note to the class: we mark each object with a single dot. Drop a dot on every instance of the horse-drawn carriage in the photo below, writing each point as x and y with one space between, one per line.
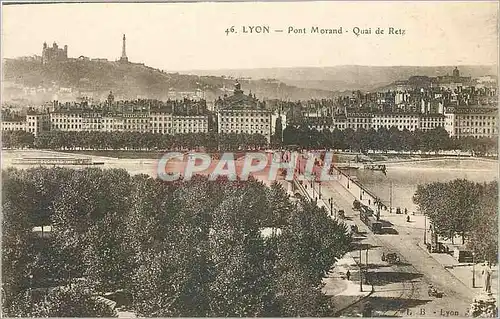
433 292
391 258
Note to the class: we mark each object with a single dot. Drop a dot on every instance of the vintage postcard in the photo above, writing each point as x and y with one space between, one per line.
250 159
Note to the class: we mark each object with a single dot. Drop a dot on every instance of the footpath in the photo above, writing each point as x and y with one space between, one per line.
463 272
345 292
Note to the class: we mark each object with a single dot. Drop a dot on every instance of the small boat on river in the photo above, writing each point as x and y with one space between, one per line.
347 167
55 161
375 167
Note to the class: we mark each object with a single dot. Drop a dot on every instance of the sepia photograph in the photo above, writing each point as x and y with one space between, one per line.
249 159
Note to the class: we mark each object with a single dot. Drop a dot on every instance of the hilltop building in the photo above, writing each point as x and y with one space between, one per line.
454 81
124 58
54 53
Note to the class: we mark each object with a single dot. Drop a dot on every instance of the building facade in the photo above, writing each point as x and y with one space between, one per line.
37 122
401 121
242 113
358 120
471 122
431 121
54 53
182 124
14 125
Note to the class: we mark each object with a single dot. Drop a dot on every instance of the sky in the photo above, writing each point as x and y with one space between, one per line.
190 36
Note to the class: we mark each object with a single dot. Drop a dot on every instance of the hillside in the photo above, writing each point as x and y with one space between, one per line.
131 81
348 77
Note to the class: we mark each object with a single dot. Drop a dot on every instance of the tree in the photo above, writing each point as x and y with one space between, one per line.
452 206
279 206
183 248
278 132
239 284
484 235
308 247
60 302
17 253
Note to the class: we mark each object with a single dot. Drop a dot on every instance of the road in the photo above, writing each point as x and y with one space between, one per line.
401 290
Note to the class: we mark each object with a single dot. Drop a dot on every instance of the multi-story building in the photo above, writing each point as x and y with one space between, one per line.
135 121
340 122
401 121
66 120
473 121
319 124
14 125
132 116
189 124
37 122
242 113
161 122
91 121
110 122
431 121
359 120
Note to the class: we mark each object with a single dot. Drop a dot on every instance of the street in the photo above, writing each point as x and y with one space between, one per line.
401 289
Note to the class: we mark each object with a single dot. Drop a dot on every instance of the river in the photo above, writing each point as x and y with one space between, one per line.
405 177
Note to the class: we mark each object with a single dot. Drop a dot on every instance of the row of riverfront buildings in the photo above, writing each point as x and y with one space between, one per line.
458 122
238 113
244 113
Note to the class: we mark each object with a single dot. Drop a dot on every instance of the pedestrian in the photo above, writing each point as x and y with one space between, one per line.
408 219
406 211
348 274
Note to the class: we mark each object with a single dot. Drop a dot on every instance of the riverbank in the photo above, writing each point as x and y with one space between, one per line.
398 185
340 156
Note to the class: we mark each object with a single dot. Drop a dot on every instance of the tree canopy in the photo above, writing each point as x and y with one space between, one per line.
184 248
465 208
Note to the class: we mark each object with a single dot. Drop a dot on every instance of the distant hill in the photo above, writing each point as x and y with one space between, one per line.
347 77
128 81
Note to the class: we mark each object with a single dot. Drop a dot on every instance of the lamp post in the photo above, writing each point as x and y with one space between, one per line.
390 199
31 292
473 269
473 258
425 229
331 207
360 273
366 271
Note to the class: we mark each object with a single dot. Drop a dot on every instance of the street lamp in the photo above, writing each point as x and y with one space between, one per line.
473 259
360 273
31 292
473 269
367 267
331 207
425 229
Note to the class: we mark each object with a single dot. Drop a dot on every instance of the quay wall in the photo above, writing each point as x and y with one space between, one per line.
358 190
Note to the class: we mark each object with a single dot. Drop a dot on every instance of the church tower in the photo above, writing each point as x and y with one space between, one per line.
124 58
